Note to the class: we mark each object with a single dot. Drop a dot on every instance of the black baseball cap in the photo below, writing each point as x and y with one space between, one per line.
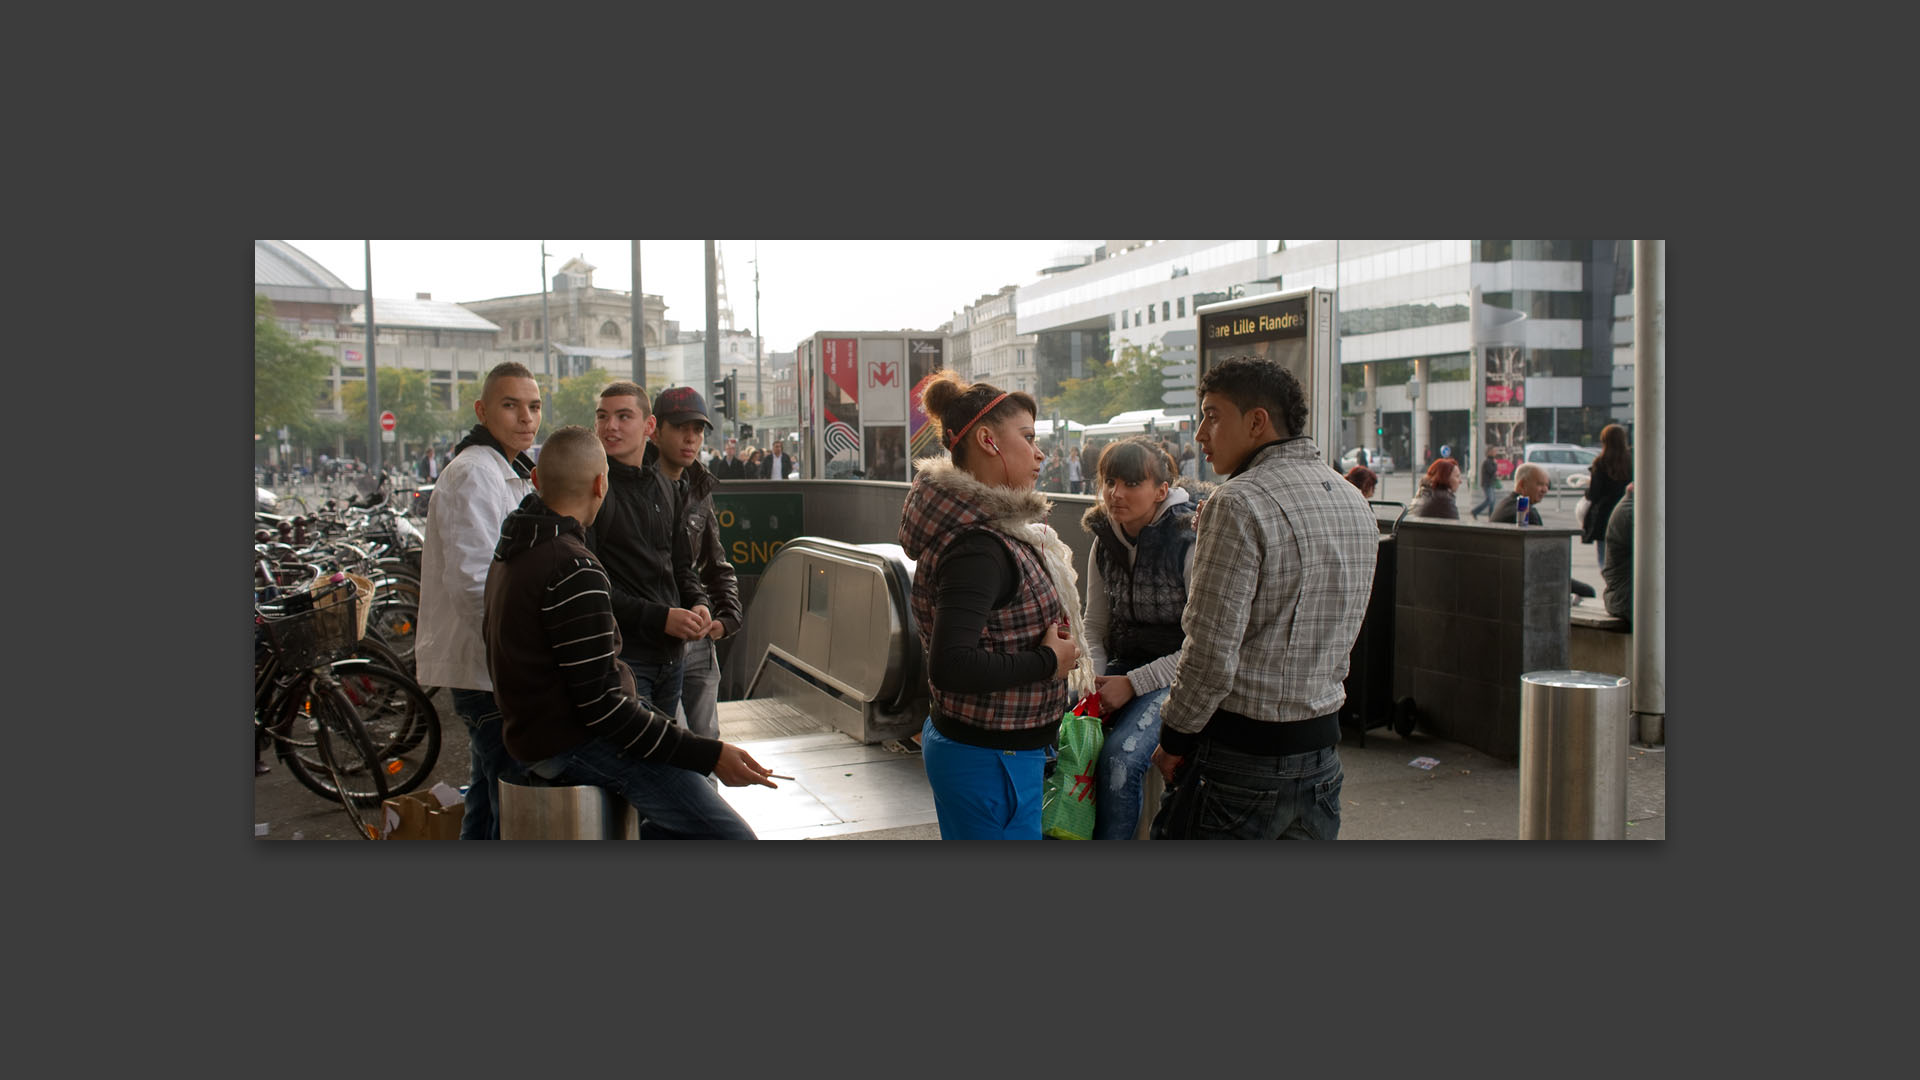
679 404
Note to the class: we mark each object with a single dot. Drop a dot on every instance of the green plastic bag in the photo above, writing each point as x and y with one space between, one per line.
1066 803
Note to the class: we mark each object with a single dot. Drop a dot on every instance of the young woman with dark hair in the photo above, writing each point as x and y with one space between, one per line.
995 598
1143 534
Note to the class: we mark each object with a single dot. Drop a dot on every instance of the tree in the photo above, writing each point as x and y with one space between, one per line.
407 394
1131 381
288 374
579 396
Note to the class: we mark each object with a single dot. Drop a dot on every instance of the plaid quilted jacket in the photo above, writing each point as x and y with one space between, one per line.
946 502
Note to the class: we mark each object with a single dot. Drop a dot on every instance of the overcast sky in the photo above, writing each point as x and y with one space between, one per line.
805 285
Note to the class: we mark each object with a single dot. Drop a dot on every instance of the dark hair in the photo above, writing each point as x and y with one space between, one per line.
1615 460
1251 382
630 389
954 404
1363 478
505 369
1442 472
1133 459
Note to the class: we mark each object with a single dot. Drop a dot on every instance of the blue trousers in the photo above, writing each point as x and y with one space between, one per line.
980 793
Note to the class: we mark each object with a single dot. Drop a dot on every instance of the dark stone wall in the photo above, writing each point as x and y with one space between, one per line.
1477 606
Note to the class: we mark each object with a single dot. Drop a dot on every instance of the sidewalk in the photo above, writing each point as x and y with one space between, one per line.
845 791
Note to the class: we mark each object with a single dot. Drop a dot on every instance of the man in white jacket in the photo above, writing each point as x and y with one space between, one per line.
489 474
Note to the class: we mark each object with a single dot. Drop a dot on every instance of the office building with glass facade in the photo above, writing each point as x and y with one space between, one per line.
1554 329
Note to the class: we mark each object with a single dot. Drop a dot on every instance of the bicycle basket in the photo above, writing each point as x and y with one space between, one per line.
327 631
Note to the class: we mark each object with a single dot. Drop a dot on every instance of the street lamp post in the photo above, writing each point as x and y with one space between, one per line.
373 384
759 400
546 349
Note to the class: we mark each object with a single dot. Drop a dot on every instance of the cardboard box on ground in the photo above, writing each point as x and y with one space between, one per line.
424 815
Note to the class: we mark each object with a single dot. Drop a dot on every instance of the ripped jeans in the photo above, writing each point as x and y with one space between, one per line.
1124 759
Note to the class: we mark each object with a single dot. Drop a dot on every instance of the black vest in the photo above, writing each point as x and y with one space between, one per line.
1145 599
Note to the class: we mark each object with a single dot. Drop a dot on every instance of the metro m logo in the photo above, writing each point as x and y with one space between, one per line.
883 374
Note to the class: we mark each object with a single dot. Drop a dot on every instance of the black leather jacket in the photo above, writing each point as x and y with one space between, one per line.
640 536
709 555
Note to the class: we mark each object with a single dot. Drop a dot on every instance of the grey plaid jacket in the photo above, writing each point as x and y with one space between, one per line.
1282 570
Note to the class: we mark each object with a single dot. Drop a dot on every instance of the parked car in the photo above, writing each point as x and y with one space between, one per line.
1566 464
1378 460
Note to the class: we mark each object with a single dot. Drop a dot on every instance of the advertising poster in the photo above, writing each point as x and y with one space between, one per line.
1505 414
840 395
883 381
924 357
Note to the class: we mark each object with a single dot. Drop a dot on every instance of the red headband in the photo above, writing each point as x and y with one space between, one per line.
976 419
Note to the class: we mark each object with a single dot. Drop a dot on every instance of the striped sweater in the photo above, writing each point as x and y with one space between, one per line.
553 651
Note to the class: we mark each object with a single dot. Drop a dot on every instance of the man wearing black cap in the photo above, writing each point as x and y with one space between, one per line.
640 536
681 430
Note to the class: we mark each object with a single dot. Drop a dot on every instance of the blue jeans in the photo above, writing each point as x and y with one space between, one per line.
1485 505
700 689
489 762
1124 759
1600 553
674 803
980 793
1223 794
658 683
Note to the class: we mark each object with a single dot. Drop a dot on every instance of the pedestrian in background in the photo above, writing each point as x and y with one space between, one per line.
1607 481
1489 483
1362 477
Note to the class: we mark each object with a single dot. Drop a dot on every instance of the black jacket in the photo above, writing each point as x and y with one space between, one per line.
1603 494
1507 511
640 536
551 639
709 555
1434 503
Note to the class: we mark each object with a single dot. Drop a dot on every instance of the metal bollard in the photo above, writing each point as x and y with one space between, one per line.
1574 727
565 813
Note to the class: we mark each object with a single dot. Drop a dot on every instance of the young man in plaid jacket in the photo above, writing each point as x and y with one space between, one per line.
1282 570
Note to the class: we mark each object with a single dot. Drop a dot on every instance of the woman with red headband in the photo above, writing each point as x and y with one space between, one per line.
995 597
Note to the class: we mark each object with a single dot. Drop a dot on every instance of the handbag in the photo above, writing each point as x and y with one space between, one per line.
1580 511
1066 801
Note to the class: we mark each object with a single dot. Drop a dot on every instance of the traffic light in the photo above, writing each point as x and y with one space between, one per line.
746 431
724 400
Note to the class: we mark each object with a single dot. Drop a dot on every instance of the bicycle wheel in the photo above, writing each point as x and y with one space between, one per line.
374 648
348 761
345 752
400 719
396 622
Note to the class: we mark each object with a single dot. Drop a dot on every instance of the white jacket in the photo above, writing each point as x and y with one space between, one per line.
475 493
